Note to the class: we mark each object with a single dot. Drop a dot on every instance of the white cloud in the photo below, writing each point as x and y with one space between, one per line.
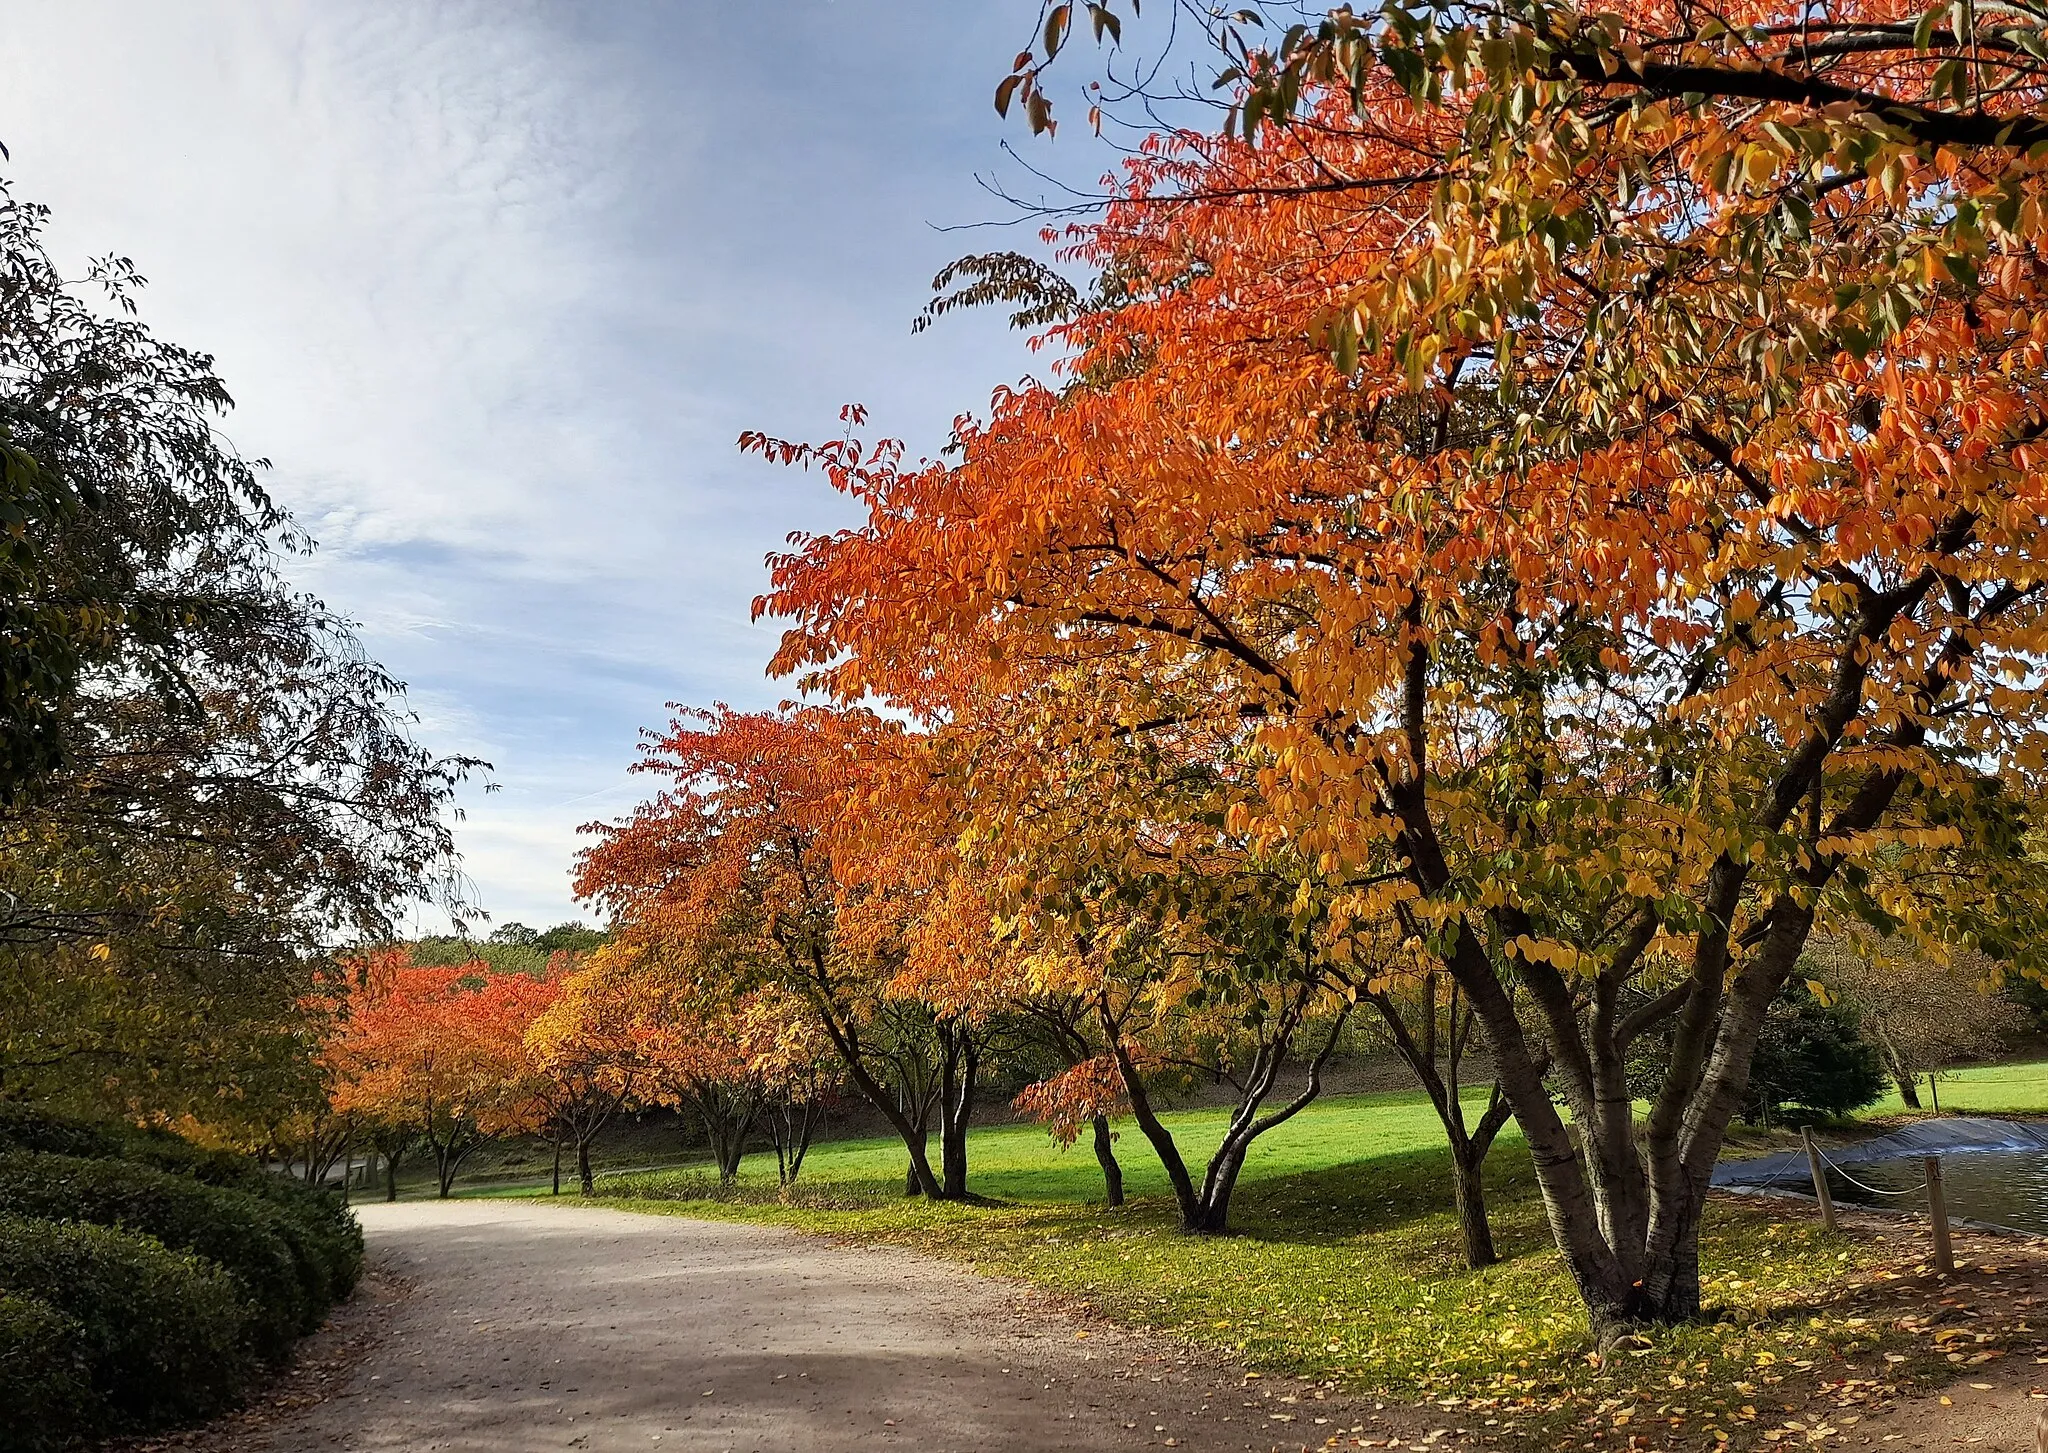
496 286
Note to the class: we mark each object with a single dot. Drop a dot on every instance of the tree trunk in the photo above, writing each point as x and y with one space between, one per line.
1207 1211
1473 1225
585 1181
391 1177
1148 1122
1895 1063
807 1124
1105 1156
1419 1047
1218 1182
791 1125
958 1074
846 1042
727 1117
558 1170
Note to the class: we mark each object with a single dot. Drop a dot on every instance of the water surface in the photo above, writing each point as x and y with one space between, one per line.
2005 1187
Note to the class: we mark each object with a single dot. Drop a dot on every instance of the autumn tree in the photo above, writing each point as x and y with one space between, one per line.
793 1062
1922 1012
1193 954
737 871
699 1062
919 905
588 1051
441 1052
1616 533
205 782
1087 1092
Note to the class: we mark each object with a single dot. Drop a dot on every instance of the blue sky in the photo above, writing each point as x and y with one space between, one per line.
497 286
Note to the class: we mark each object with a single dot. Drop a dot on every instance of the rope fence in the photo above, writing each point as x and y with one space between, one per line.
1820 1163
1835 1166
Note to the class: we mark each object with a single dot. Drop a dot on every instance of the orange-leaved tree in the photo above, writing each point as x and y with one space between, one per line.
1121 890
1607 638
588 1054
737 873
441 1053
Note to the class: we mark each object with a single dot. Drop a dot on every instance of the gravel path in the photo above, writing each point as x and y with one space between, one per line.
545 1326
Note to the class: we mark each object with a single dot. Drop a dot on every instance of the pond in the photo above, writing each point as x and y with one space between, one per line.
2004 1187
1992 1170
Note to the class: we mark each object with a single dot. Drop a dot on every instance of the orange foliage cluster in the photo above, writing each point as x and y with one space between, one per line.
1068 1101
797 885
450 1057
433 1045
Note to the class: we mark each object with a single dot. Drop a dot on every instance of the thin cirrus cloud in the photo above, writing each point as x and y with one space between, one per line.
496 287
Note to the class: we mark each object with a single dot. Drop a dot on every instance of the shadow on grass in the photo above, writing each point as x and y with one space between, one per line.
1367 1197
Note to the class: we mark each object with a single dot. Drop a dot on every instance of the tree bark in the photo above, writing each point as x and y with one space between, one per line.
958 1076
1473 1227
1149 1123
586 1182
557 1190
1105 1156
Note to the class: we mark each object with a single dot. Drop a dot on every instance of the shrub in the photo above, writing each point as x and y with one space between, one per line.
165 1151
45 1376
318 1230
239 1233
1811 1061
323 1228
23 1127
164 1335
319 1223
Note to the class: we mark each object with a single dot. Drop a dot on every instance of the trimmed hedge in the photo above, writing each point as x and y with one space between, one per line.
326 1231
23 1127
45 1376
321 1233
179 1156
328 1228
164 1336
246 1236
142 1276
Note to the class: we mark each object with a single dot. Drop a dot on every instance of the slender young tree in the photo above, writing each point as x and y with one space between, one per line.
588 1054
744 867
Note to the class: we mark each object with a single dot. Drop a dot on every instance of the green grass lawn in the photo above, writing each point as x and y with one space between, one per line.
1021 1162
2019 1089
1346 1267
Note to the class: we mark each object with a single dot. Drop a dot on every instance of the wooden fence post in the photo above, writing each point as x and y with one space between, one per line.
1821 1192
1937 1212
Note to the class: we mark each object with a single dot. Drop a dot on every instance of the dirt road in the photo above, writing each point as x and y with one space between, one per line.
547 1326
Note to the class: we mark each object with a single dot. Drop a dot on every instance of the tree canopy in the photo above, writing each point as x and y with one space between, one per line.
205 783
1588 483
